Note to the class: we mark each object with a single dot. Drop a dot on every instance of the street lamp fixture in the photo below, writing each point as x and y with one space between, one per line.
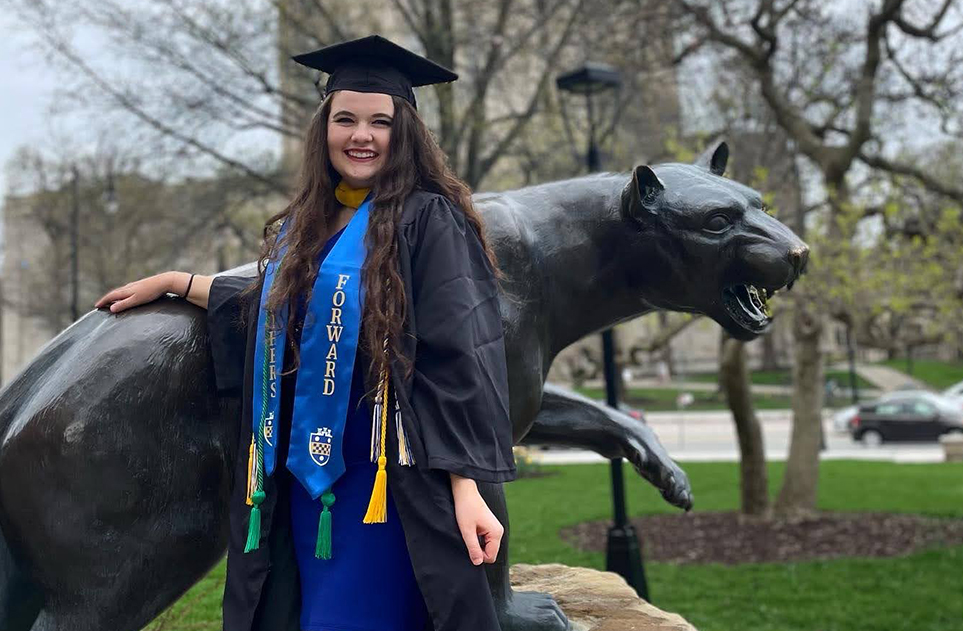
590 81
591 78
623 554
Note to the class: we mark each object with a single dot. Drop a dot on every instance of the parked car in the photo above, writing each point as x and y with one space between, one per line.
905 417
636 413
955 392
843 418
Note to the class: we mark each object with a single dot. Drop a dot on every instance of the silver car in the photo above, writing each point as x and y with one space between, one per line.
955 392
907 417
843 418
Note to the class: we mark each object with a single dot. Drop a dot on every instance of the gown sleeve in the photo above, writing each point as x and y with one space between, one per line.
227 330
460 382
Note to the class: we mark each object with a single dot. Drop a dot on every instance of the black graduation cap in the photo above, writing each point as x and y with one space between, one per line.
375 64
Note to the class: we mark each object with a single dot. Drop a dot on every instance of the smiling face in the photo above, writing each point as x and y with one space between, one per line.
359 132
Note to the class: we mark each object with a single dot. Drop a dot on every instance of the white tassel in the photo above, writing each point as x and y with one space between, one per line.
376 422
404 452
405 457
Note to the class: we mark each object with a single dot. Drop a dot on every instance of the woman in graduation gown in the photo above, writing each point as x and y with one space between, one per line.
375 284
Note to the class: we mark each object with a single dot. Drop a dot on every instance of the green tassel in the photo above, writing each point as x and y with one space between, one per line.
322 550
254 523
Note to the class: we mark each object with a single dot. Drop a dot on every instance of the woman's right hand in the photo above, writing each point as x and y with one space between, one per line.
136 293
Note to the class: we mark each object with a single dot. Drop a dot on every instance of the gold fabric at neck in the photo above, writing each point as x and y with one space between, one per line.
350 197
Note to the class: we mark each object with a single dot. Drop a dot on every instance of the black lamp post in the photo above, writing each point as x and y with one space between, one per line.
851 355
74 242
623 554
111 205
111 208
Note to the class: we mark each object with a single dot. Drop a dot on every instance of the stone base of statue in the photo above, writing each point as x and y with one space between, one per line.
952 446
594 600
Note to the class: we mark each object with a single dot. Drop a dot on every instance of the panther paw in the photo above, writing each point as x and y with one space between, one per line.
533 611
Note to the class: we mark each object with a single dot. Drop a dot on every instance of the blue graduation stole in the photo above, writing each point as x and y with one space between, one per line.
328 349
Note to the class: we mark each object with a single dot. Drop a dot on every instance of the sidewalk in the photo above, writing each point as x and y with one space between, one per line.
884 377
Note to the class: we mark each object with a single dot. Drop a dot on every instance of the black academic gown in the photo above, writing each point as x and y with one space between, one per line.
454 409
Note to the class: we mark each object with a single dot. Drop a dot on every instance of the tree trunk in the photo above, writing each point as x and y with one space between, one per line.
770 358
666 355
734 381
798 494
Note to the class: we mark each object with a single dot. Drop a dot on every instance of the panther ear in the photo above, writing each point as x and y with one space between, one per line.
648 185
714 159
641 197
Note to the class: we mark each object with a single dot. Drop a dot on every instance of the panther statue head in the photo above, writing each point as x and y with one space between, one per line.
710 244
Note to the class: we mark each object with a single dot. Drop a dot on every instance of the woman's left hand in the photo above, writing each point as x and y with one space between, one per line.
475 520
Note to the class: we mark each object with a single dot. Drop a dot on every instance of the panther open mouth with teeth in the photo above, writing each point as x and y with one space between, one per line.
748 306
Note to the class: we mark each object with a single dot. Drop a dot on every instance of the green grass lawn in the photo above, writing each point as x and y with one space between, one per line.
921 592
936 374
780 378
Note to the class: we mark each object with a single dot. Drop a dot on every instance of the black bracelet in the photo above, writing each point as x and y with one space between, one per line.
187 293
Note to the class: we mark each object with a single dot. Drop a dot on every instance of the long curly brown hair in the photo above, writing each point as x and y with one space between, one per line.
414 161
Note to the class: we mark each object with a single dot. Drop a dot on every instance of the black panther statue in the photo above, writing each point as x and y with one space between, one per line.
115 453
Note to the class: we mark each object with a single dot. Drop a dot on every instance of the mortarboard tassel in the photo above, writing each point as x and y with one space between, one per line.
377 512
404 454
322 549
251 466
254 523
376 421
378 504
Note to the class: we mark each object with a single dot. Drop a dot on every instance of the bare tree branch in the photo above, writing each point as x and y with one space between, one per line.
501 146
411 18
127 103
926 32
952 192
330 20
216 43
866 84
677 324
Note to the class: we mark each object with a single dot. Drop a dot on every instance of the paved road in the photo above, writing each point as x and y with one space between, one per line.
710 436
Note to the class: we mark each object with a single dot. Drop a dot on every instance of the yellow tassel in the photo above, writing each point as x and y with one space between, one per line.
378 504
250 474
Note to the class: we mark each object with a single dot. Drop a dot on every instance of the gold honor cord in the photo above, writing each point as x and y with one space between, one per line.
257 451
378 504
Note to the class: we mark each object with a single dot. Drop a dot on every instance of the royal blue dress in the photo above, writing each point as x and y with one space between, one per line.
368 583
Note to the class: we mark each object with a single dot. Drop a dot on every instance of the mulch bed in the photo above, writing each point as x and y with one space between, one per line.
731 538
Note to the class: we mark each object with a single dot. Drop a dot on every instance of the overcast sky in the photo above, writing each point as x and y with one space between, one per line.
25 86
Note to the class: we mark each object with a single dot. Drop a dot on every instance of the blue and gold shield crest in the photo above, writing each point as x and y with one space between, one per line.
319 446
269 429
